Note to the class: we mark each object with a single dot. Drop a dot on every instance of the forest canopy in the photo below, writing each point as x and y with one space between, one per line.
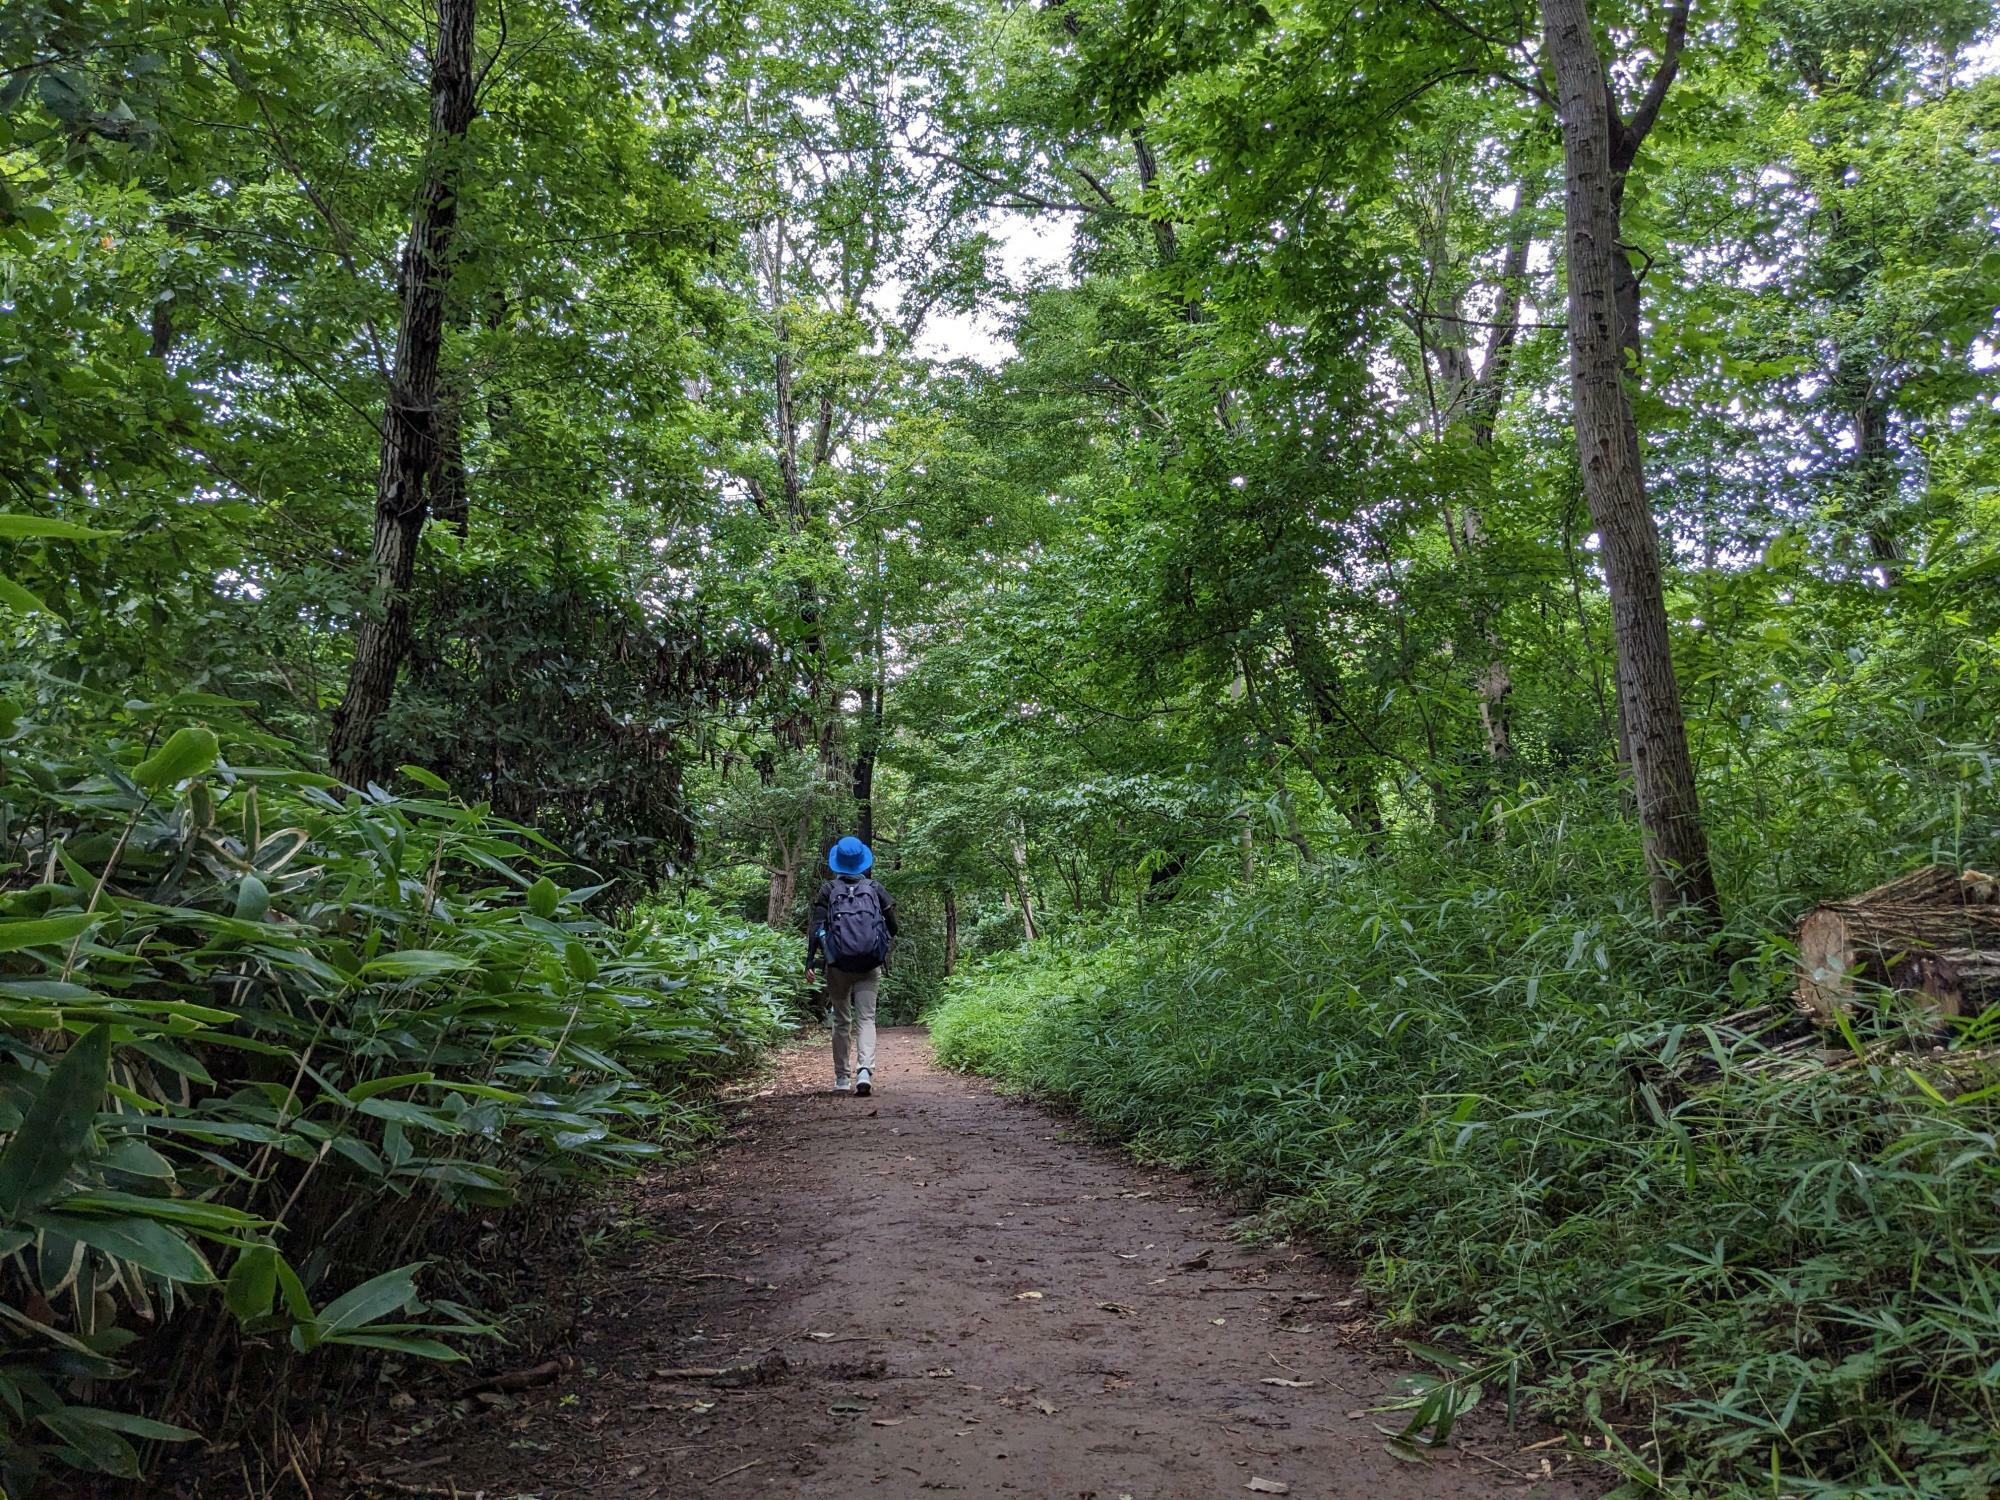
1360 567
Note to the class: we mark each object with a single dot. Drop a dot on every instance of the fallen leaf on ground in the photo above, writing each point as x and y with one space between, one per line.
888 1421
942 1372
1117 1307
1044 1406
822 1337
1290 1385
1356 1416
1268 1487
1027 1296
1218 1322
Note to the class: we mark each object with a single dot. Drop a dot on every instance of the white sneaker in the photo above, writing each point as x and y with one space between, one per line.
840 1084
862 1086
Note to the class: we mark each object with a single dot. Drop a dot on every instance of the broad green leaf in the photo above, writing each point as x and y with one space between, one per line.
414 963
427 779
253 899
57 1124
253 1283
19 599
375 1086
37 932
398 1343
544 897
370 1302
14 525
145 1242
187 752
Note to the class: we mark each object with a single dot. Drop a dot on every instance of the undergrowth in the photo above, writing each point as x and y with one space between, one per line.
285 1070
1516 1104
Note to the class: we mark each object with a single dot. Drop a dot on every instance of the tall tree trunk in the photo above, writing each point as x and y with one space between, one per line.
1597 149
950 931
409 439
873 693
1018 855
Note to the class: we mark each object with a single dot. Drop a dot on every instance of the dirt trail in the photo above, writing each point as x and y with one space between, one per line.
971 1303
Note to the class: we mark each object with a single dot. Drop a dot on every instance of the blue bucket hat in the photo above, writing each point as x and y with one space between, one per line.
850 857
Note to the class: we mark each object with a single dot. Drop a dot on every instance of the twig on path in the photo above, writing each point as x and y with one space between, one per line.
521 1380
737 1470
768 1370
424 1491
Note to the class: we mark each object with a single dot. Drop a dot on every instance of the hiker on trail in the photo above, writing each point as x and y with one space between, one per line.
853 922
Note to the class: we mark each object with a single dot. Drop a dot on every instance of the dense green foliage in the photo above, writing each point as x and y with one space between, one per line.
1223 663
284 1011
1520 1108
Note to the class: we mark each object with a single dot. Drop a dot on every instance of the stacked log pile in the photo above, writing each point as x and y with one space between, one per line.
1933 933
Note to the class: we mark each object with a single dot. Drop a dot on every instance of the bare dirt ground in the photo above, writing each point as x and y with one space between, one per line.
966 1301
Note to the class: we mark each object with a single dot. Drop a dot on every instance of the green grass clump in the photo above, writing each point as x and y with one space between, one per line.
1515 1109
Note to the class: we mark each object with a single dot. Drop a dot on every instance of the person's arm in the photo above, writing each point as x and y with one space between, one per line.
888 907
815 925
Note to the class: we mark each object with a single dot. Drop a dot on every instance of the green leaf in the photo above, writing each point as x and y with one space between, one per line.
398 1343
188 752
253 1283
147 1243
376 1086
427 779
414 963
37 932
13 526
543 898
57 1124
253 899
582 963
19 599
370 1302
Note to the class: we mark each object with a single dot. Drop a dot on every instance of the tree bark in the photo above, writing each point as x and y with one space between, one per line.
409 464
1597 148
950 931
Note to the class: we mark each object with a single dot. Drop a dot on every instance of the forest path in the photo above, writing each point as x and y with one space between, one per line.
971 1303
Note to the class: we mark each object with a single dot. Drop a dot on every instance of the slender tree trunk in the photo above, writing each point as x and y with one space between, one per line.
409 436
1596 149
950 931
1022 893
873 694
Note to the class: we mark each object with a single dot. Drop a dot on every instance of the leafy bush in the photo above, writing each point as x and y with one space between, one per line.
1518 1110
242 1012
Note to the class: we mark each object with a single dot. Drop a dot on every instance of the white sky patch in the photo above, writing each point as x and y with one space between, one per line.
1031 247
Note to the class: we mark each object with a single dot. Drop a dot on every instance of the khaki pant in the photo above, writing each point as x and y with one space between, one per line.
852 997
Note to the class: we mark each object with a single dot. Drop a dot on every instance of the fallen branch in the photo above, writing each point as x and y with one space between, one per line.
520 1380
773 1367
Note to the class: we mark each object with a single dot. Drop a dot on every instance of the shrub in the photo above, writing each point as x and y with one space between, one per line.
243 1012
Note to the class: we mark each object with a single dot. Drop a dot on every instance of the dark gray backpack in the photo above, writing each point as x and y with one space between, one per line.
857 936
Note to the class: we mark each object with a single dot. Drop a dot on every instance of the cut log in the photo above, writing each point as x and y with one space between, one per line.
1933 932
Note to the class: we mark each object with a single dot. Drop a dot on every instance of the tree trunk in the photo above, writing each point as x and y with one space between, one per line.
873 694
1607 439
1022 892
950 931
409 439
784 887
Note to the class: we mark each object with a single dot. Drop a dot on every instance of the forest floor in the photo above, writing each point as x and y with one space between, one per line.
967 1299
